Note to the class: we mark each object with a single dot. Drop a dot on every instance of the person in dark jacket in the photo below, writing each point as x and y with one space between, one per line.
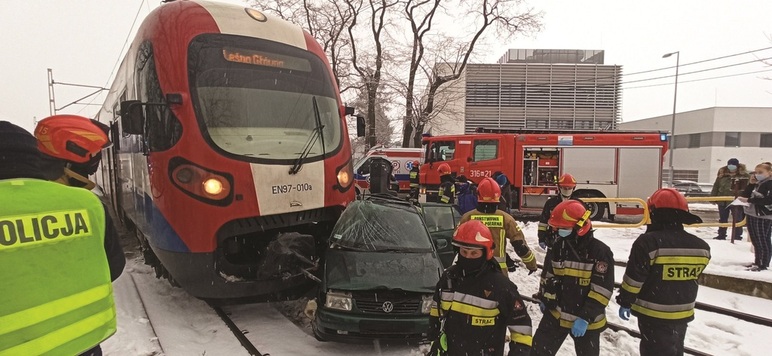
730 181
447 192
577 281
566 186
507 193
759 212
474 304
21 164
466 195
660 283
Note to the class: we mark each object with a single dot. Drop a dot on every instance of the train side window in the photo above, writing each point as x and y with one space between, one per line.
485 150
162 127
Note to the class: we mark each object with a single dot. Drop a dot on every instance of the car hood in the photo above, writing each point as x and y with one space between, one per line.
408 271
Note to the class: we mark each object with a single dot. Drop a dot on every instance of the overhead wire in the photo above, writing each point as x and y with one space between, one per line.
701 79
120 54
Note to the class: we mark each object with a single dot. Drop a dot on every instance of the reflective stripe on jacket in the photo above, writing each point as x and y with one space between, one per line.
660 281
504 227
58 297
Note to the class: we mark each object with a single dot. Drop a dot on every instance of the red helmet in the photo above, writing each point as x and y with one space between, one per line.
567 180
443 169
474 234
668 198
571 214
416 164
488 191
70 137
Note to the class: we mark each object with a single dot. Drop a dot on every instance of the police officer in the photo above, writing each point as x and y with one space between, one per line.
474 305
566 186
502 225
577 281
52 257
447 193
414 180
660 283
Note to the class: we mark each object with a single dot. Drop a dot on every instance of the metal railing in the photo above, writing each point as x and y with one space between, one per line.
645 217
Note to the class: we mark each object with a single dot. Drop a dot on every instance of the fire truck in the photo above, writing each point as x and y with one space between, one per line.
606 164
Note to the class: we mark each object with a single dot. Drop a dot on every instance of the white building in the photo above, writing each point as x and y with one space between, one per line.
705 139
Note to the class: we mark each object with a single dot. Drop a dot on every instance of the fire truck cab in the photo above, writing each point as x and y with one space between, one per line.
625 164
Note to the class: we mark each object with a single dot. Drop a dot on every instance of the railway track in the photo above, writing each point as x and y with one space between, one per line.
238 333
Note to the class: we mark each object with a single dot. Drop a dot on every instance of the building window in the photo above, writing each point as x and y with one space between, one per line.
694 141
766 140
485 149
732 139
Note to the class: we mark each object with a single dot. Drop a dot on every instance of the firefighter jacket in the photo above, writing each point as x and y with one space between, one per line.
577 280
660 282
504 227
414 183
58 297
475 311
447 193
544 229
728 183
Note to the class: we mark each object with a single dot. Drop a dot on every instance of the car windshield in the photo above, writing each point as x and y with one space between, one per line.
383 226
352 270
255 98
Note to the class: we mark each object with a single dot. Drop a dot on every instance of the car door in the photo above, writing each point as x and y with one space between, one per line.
441 220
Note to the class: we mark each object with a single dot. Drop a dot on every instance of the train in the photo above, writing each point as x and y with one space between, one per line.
230 149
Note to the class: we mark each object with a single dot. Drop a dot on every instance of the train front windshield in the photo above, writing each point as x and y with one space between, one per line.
263 100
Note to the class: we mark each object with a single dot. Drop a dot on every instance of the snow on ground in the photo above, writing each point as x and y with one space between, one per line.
187 326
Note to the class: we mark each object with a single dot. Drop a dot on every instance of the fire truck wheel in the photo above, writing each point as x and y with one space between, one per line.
597 209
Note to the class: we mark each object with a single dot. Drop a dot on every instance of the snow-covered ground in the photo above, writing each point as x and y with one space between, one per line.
157 319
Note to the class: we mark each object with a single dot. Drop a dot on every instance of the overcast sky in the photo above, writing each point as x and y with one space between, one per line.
81 41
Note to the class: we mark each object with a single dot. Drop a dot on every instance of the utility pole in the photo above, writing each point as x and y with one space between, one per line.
51 98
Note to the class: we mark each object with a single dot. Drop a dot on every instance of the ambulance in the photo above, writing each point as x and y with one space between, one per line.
401 163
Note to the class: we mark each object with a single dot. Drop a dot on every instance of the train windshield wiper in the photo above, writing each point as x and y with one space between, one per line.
315 134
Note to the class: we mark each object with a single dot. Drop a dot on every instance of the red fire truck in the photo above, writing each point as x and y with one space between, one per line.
605 164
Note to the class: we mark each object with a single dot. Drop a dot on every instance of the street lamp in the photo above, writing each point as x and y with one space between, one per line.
672 121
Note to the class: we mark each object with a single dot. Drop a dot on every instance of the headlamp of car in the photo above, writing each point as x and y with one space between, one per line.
338 300
426 304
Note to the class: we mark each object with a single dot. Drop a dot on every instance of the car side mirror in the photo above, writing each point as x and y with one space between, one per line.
441 244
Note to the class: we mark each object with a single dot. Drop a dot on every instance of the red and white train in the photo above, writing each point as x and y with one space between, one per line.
228 132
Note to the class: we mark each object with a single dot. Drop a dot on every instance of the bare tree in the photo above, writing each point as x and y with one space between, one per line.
504 18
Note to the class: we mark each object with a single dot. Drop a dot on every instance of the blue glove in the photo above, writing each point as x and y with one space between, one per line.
543 245
542 307
624 313
579 328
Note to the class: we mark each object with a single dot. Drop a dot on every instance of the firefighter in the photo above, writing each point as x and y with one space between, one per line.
502 225
474 305
72 149
576 285
54 257
660 283
414 182
566 186
447 193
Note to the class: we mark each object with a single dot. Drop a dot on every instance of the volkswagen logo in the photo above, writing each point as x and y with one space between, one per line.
387 307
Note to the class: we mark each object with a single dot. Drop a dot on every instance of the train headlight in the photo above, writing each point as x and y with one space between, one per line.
201 183
344 178
345 175
338 300
213 186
